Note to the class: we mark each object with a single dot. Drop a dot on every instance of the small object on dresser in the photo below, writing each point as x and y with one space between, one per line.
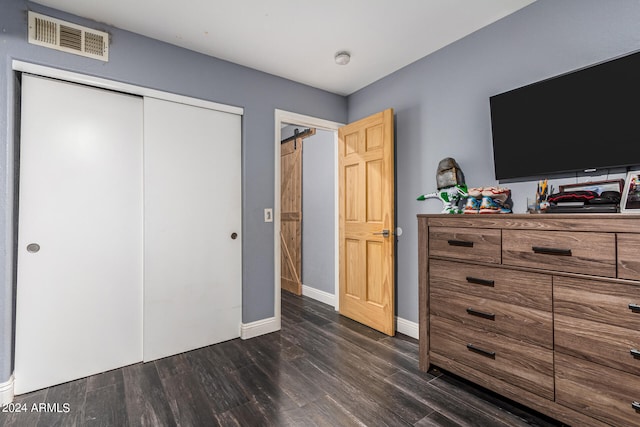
631 196
451 187
573 196
450 197
587 197
486 200
449 174
542 195
585 201
490 205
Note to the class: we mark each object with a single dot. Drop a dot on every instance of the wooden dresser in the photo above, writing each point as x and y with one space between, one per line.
543 309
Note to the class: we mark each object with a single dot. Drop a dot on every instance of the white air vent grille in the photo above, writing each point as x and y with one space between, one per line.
68 37
46 31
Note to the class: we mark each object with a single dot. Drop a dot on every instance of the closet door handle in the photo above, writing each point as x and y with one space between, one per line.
483 282
635 405
483 314
551 251
33 248
635 308
635 353
462 243
490 354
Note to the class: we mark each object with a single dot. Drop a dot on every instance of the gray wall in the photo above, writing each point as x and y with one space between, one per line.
318 211
145 62
442 101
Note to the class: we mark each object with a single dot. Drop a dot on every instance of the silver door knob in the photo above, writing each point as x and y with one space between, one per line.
33 248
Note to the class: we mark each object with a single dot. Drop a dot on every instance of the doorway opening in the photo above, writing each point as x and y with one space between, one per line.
319 274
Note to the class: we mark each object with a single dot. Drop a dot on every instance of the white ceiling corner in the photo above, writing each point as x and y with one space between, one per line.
297 39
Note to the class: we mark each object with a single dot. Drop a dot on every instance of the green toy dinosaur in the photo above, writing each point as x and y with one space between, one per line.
450 196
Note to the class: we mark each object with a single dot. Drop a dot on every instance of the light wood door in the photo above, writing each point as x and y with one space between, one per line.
366 193
192 211
291 215
79 292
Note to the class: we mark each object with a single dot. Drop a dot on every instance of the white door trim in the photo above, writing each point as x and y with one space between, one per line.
282 116
56 73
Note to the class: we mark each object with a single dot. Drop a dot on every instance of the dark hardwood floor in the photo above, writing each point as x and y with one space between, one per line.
319 370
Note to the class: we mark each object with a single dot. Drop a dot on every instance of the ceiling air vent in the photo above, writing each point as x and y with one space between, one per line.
68 37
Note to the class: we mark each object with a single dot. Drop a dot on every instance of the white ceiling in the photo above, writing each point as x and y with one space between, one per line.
297 39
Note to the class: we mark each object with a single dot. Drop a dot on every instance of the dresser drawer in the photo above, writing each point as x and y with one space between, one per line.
603 393
598 301
532 290
574 252
628 256
518 322
524 365
605 344
474 244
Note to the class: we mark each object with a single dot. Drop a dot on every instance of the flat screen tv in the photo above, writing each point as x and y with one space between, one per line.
584 120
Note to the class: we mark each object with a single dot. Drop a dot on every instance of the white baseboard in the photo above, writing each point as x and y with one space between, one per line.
407 327
319 295
259 327
6 391
403 326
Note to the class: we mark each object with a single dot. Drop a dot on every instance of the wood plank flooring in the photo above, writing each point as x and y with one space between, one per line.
321 369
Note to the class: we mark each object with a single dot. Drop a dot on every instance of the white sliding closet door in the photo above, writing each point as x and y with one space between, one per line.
79 293
192 242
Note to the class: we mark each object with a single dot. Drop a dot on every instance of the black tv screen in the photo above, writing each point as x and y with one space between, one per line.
586 119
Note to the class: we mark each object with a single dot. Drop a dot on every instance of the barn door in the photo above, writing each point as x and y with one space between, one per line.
366 221
291 212
79 293
291 215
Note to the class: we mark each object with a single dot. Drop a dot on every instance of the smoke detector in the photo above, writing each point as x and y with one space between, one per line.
342 58
67 37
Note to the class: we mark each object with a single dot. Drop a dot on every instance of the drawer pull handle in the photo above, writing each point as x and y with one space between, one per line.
463 243
635 353
635 405
477 281
551 251
482 314
491 354
635 308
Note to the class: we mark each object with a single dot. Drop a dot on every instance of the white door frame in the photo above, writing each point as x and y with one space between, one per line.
281 117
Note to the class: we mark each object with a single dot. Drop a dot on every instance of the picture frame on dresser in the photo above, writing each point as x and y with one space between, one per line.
630 202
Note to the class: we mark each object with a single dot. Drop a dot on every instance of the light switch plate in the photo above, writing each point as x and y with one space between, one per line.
268 215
